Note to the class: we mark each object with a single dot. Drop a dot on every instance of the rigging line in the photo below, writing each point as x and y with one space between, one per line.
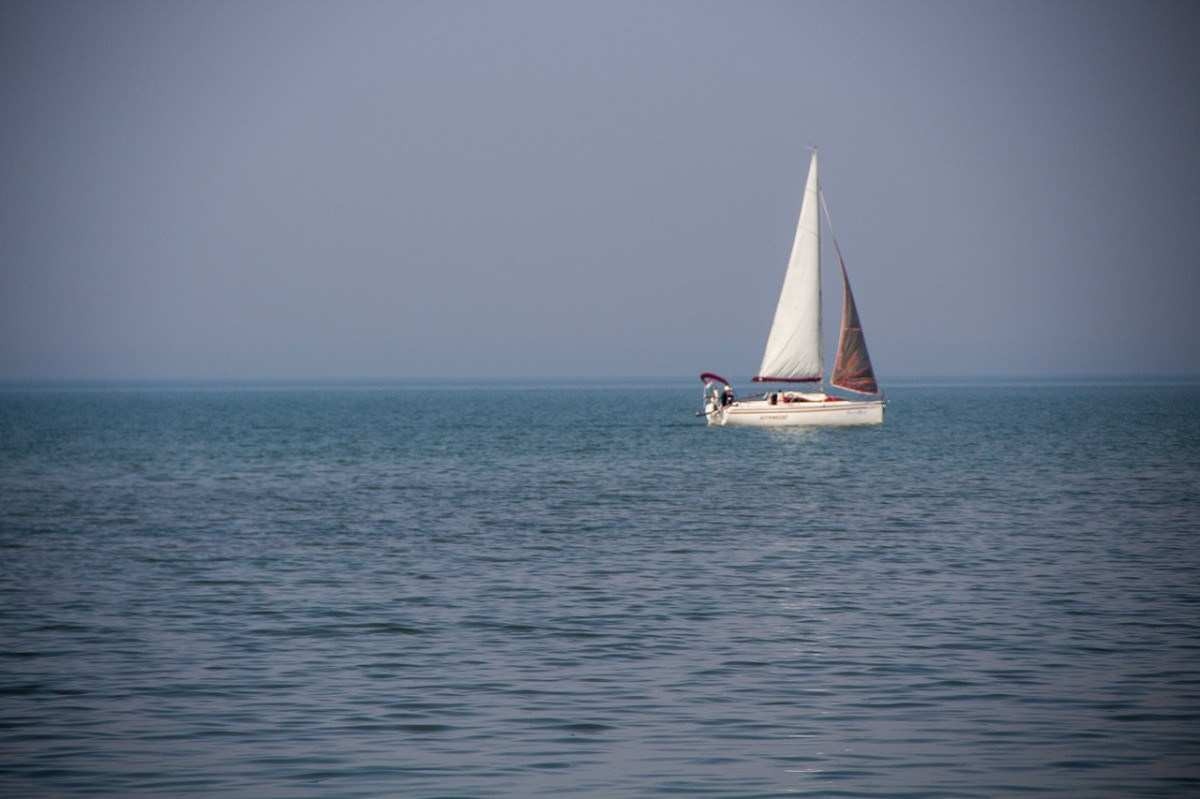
829 221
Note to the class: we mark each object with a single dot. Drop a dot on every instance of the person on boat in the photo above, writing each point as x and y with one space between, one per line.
727 396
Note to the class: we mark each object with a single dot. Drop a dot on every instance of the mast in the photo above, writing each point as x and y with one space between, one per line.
793 351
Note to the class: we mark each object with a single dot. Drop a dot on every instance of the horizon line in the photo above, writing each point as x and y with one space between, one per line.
525 378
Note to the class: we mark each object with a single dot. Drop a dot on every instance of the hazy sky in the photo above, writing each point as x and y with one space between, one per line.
253 189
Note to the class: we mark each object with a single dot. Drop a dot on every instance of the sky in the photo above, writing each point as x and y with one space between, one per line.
279 190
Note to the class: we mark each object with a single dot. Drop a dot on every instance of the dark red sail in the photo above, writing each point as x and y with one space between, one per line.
852 366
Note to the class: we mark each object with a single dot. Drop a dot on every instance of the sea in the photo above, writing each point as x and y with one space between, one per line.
576 588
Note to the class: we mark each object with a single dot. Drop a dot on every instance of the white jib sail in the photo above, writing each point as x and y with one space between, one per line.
794 344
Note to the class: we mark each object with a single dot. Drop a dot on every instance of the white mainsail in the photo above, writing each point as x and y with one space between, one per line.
794 345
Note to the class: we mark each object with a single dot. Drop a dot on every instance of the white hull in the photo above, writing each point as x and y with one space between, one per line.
761 413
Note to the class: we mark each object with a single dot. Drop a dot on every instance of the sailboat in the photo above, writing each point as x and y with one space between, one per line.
793 352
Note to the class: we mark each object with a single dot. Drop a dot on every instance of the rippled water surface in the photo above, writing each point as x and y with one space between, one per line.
453 590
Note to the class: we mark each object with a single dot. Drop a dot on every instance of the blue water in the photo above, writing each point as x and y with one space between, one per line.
506 589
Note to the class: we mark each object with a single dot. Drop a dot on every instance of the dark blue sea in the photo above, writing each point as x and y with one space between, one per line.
513 589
